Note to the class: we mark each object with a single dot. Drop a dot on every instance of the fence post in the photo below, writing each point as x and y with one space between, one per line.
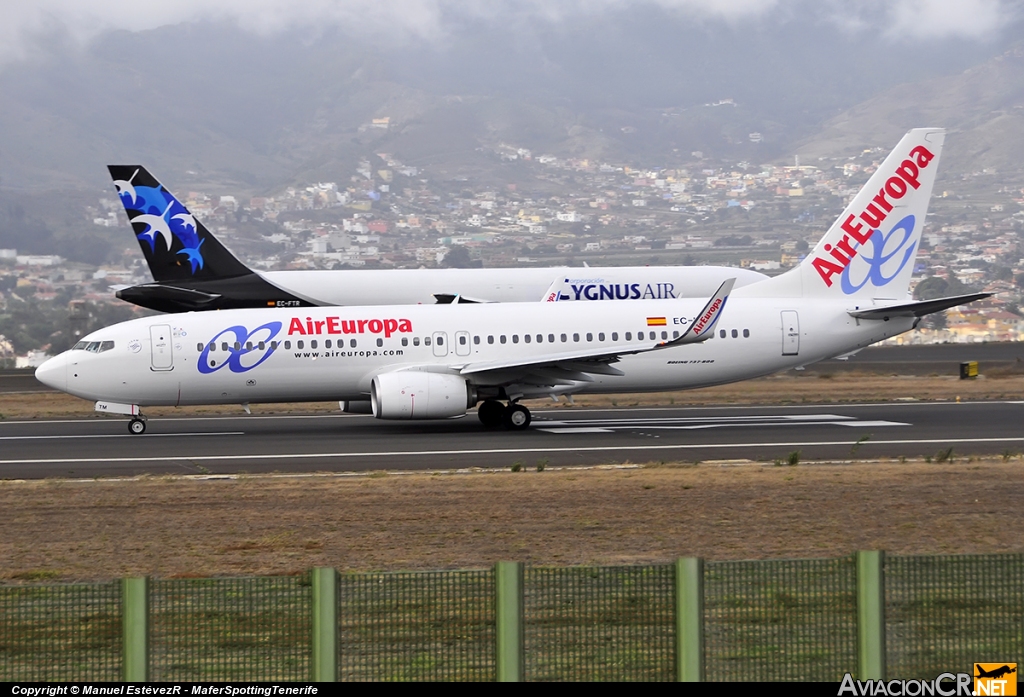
325 624
690 619
508 585
135 626
870 615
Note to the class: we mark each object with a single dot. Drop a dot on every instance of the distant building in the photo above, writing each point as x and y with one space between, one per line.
33 359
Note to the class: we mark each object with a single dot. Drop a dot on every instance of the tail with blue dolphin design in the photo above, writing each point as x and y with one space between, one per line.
868 254
176 246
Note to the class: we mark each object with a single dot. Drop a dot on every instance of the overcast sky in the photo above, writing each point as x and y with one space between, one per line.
28 26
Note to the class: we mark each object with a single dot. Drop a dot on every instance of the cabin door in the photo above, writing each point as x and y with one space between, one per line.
462 346
440 344
162 347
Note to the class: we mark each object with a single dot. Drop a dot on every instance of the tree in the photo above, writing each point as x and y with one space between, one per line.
458 258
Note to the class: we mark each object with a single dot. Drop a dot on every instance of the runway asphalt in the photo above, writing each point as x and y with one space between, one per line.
558 437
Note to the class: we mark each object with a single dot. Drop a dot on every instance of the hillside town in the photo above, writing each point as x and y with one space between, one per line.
542 210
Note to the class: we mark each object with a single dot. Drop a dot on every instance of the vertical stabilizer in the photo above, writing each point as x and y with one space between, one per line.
177 247
869 251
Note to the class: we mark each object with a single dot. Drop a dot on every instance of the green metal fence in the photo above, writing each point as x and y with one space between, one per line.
416 626
603 623
60 632
230 629
868 614
780 620
946 612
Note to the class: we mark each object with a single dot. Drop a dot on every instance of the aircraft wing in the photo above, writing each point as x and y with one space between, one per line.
917 309
567 367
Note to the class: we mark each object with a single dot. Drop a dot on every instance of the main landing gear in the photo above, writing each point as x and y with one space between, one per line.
514 417
137 426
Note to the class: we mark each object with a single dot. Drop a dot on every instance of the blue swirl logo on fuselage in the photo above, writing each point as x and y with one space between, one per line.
884 255
246 349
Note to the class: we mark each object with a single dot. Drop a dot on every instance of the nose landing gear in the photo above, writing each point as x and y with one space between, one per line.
137 426
493 414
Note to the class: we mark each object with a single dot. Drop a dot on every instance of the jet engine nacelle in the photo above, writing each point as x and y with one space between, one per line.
417 395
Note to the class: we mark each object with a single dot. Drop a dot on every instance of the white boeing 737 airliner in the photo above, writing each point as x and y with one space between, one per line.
437 361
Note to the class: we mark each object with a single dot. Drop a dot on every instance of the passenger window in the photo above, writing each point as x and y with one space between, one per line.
199 347
564 338
426 341
300 343
600 336
735 333
263 345
590 337
615 336
238 346
380 342
440 340
490 338
273 345
405 341
248 346
476 340
213 346
462 341
551 338
501 338
312 343
352 343
526 338
415 341
675 335
746 333
287 345
540 338
223 346
575 337
721 333
664 335
629 336
515 338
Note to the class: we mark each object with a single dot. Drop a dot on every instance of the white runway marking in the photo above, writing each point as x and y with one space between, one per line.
126 435
694 423
509 451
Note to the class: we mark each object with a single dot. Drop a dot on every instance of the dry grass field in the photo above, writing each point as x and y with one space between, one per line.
180 527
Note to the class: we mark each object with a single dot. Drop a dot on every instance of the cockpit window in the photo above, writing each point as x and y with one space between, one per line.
93 346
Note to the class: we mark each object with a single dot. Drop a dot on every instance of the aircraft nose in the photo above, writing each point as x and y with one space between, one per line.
54 373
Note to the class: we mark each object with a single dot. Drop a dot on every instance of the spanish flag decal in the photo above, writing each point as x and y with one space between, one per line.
656 322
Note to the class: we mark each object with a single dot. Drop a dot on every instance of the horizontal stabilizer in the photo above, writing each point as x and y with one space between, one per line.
918 309
156 295
455 298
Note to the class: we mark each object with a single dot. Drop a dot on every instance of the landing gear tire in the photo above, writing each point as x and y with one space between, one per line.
516 417
491 413
136 427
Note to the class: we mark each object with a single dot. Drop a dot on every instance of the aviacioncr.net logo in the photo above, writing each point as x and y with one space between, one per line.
245 349
882 259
